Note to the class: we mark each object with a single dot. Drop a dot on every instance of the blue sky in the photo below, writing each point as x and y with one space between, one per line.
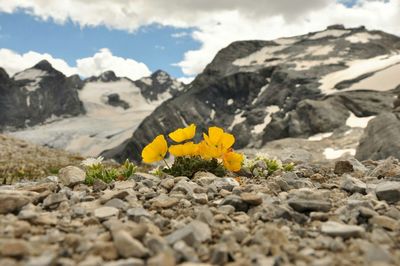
154 45
136 37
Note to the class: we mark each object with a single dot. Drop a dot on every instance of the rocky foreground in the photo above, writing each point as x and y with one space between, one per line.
343 215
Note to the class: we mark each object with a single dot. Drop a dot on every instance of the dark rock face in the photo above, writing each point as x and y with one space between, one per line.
267 90
381 138
36 94
108 76
114 100
160 82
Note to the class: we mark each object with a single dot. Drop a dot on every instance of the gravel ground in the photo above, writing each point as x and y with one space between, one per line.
347 214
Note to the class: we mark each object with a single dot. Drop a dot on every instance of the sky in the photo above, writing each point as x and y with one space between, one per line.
137 37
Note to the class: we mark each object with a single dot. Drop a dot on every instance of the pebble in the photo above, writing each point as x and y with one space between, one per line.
71 175
194 232
127 246
251 198
389 191
385 222
342 230
12 202
342 167
104 213
353 185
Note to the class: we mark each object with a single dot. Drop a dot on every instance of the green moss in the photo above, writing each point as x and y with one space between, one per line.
188 166
109 174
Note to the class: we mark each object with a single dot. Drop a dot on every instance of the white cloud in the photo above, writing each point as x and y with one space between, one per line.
179 34
185 80
13 62
217 23
102 61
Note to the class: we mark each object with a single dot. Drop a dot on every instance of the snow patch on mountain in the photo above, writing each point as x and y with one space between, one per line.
362 37
260 127
33 75
357 68
354 121
331 153
320 136
334 33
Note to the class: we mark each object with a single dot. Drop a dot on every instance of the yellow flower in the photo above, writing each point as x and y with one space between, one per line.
218 142
233 161
187 149
156 150
182 134
207 152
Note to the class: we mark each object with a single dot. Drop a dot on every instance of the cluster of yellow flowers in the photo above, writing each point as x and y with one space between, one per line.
216 145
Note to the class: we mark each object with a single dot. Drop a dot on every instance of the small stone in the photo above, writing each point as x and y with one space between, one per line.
104 213
99 185
126 262
128 246
185 252
236 202
353 185
342 167
226 183
135 213
200 198
91 261
14 248
375 254
46 259
168 183
164 258
122 185
204 178
71 175
164 201
226 209
304 205
12 202
219 254
342 230
251 198
117 203
53 200
193 232
385 222
389 191
205 215
106 250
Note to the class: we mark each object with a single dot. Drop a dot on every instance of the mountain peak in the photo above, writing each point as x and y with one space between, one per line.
3 75
336 27
160 72
44 65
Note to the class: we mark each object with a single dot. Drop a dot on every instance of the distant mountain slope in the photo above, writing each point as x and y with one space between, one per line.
291 87
114 107
36 94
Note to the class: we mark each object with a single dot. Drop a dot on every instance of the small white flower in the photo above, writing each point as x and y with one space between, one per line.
89 162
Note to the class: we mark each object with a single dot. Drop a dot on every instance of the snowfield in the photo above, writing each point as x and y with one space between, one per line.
102 127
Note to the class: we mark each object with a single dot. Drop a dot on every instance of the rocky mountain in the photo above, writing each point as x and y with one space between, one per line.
382 135
112 107
36 94
332 81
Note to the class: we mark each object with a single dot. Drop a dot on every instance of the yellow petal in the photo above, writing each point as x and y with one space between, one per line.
156 150
233 161
215 134
227 140
187 149
182 134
